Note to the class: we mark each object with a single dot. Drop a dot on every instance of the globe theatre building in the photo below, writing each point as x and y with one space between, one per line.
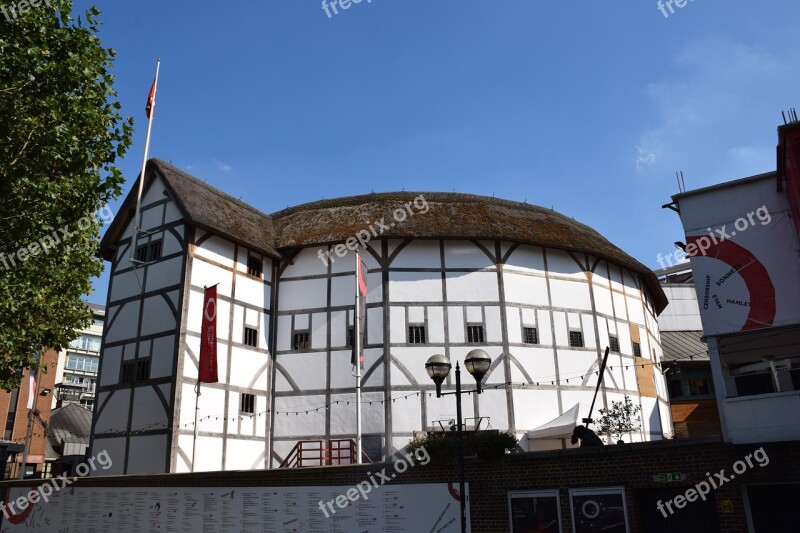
542 294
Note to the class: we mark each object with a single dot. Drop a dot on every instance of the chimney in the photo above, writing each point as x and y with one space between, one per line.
789 163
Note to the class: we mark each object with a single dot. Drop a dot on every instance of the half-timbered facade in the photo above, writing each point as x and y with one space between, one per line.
541 293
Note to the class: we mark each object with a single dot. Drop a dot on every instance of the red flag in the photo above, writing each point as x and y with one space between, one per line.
32 377
361 304
151 101
208 340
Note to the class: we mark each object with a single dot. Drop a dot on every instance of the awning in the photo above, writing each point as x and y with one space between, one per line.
559 428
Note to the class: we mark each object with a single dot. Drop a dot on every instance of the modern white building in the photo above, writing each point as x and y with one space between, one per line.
541 293
745 256
79 363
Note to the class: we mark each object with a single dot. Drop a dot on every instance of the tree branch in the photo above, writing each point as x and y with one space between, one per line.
24 147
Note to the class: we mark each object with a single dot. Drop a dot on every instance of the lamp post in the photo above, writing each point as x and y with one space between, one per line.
438 367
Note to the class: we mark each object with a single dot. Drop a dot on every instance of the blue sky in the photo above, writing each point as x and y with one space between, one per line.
586 107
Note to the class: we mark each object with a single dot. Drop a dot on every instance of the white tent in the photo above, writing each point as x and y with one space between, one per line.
559 428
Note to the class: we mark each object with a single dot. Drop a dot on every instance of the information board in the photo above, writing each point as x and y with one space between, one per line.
390 508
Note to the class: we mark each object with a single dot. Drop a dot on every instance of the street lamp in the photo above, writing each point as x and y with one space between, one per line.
438 367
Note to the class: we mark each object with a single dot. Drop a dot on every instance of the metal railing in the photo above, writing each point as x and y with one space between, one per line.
323 453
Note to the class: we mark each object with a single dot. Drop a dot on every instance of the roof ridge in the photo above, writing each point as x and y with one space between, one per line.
185 175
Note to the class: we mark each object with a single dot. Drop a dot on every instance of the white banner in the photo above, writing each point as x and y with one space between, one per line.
747 274
418 508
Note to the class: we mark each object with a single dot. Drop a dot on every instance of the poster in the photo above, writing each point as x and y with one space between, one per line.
534 512
389 508
596 510
746 272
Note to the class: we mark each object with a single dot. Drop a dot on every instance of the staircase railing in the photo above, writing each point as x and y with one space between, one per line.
323 453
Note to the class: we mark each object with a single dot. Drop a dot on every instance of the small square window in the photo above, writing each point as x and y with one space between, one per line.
613 343
254 267
126 375
474 333
416 334
147 253
530 336
637 349
576 339
251 337
300 341
143 370
247 404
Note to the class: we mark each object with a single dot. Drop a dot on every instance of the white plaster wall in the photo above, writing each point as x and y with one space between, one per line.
525 289
305 294
297 426
457 327
124 326
307 369
472 287
534 408
465 255
570 294
415 287
419 254
157 316
528 259
244 455
148 409
115 415
115 447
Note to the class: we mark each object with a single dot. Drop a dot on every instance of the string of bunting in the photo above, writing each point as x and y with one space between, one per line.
307 409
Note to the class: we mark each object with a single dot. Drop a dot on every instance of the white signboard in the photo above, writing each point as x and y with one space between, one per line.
414 508
747 273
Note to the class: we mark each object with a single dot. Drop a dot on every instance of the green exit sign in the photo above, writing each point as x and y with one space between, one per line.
669 476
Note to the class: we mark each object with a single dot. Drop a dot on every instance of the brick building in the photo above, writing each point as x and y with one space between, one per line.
14 411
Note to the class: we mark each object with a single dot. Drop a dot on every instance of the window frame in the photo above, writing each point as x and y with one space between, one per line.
535 330
247 399
613 344
302 346
252 260
149 252
413 329
479 328
127 371
582 340
253 332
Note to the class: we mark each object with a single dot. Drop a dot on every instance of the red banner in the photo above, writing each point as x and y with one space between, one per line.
361 305
208 340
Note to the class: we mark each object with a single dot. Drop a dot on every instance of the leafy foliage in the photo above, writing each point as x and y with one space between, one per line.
60 136
622 418
484 444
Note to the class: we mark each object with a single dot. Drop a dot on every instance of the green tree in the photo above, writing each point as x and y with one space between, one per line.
621 419
61 134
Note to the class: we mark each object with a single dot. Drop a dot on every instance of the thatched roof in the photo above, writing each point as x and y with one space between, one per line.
204 206
449 216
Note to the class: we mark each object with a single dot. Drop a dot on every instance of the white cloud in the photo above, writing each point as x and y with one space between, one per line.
224 167
716 108
645 159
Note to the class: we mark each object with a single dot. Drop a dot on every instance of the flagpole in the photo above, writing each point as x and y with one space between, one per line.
137 216
357 342
196 410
